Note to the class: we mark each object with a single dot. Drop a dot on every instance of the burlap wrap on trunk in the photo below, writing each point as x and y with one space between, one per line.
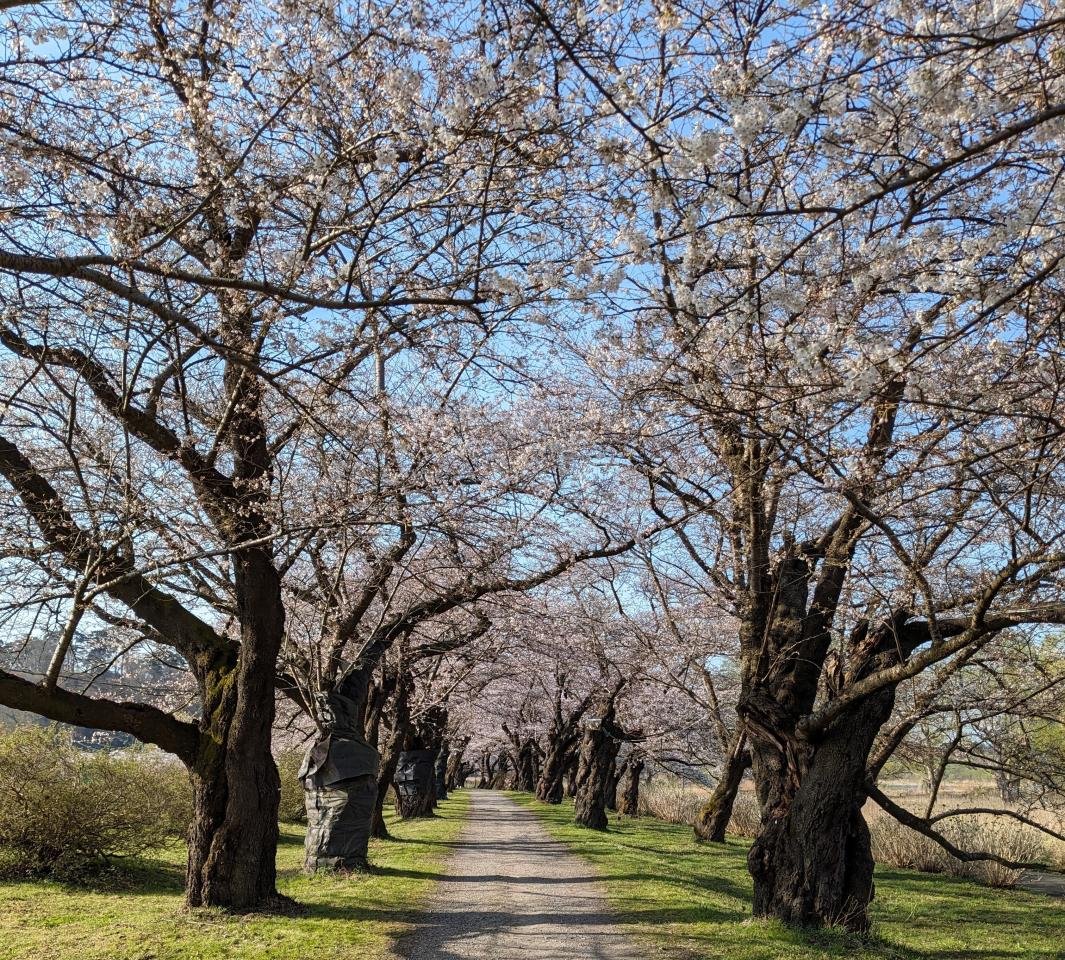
339 777
414 781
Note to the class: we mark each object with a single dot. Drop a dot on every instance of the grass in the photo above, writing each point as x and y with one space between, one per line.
142 918
690 901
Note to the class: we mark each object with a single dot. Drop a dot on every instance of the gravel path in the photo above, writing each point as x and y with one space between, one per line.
1048 884
511 892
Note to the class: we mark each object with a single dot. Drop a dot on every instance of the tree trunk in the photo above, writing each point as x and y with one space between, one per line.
525 770
236 788
712 820
812 864
629 802
233 835
413 782
549 788
1009 786
502 773
456 765
614 775
487 768
598 754
378 828
415 777
390 755
339 776
440 771
389 761
562 737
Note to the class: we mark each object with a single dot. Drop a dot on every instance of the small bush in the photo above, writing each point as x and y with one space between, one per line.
1007 839
65 813
895 845
898 846
292 808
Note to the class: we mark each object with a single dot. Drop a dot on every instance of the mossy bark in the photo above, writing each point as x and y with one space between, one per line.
236 788
712 820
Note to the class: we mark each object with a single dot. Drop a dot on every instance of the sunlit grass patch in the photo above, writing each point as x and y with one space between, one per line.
139 916
687 900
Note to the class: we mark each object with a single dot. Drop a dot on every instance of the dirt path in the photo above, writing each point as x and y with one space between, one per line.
1048 884
511 892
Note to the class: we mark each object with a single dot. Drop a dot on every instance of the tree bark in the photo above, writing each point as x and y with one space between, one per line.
573 766
487 767
525 769
501 774
629 801
812 864
562 736
614 775
456 765
598 753
390 754
549 788
440 771
236 788
713 818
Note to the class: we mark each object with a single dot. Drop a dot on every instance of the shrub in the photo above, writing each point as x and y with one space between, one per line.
292 808
67 814
895 845
898 846
1008 839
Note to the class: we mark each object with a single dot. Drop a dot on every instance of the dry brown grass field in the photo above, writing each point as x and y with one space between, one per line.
898 846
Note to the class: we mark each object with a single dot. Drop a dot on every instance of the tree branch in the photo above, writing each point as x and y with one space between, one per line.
146 723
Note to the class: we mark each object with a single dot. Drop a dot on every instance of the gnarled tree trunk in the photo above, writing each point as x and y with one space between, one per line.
549 788
812 864
456 765
487 767
598 753
573 765
236 788
712 820
559 757
502 773
399 728
440 771
629 800
616 773
525 768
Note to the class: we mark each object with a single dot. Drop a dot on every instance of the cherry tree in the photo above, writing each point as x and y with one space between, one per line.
209 228
834 323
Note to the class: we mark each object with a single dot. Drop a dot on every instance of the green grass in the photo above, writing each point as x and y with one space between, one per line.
691 901
143 918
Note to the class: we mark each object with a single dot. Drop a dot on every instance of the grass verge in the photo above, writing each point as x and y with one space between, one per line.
141 916
690 901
